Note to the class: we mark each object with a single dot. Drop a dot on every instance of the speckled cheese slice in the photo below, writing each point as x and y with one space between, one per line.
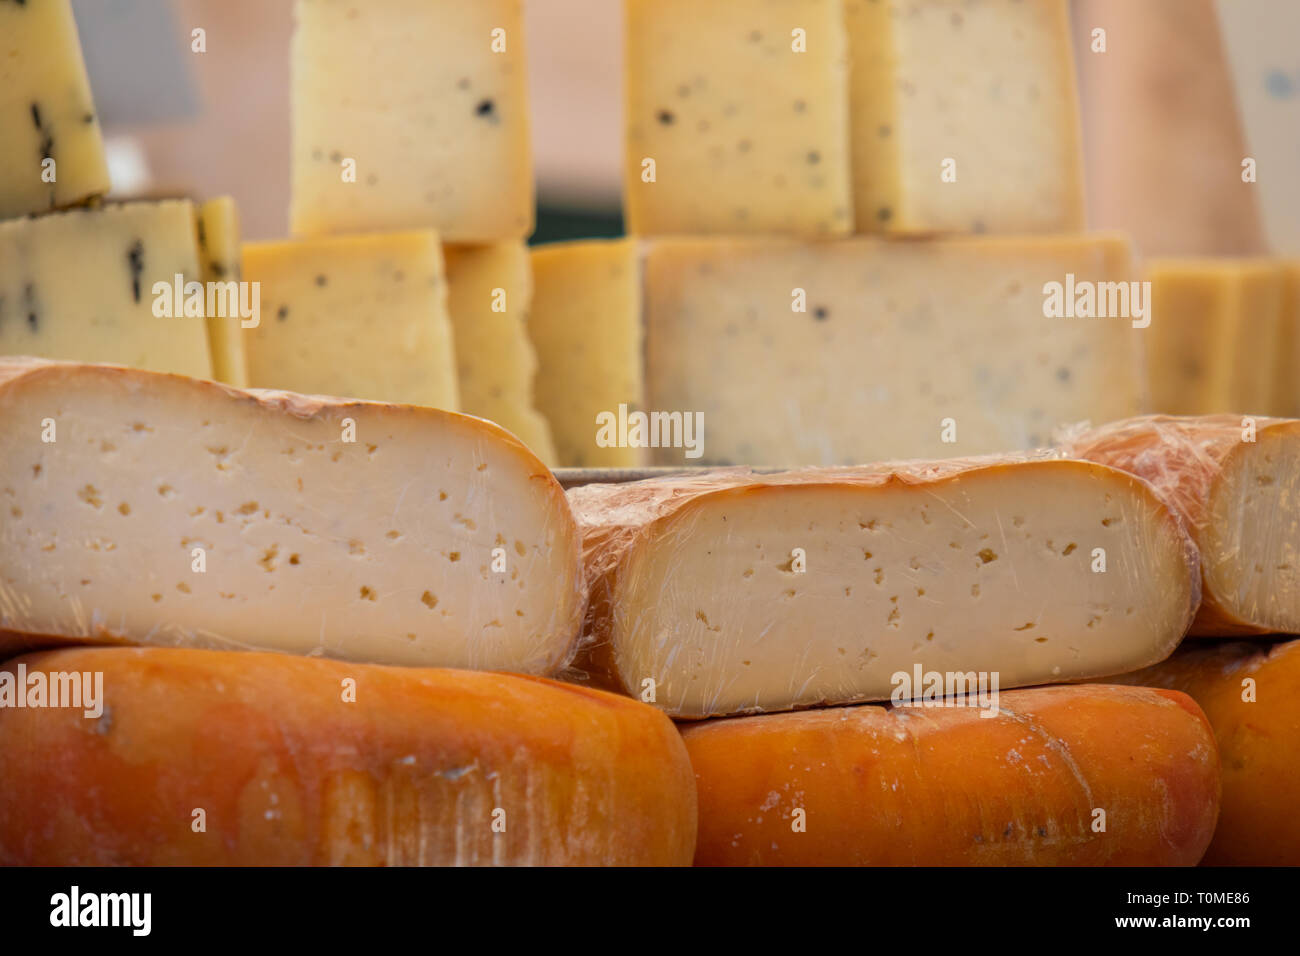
80 285
219 257
747 134
489 292
989 84
358 316
586 325
179 512
733 592
896 340
436 121
46 111
1215 328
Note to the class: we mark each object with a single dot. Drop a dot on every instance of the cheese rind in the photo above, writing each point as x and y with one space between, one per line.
1286 396
586 326
219 258
361 316
46 112
736 593
1235 483
490 292
988 85
1251 694
947 786
747 133
417 767
180 512
431 103
893 341
84 285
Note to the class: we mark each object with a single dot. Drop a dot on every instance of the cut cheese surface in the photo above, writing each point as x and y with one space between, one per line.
490 291
1235 481
219 257
1251 694
947 786
417 767
90 284
1214 336
179 512
742 108
359 316
586 325
861 350
734 592
411 113
965 116
51 148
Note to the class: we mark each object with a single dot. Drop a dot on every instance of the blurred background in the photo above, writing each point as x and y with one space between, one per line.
1172 76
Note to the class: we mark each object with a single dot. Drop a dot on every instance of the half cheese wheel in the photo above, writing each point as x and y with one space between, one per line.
1061 776
156 509
1235 481
734 592
213 758
1251 694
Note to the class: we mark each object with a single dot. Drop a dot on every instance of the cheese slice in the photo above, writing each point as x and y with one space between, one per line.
965 116
860 350
312 762
411 113
158 509
51 148
742 108
1235 482
490 290
218 231
98 285
1215 328
730 592
586 325
870 786
1286 395
360 316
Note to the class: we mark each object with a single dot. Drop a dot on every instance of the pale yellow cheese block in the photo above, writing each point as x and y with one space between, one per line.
901 349
219 255
747 134
354 316
435 119
490 290
1214 336
986 84
95 285
46 112
1286 382
586 326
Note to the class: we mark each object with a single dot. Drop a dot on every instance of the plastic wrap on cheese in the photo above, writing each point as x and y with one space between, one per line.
156 509
1235 481
733 592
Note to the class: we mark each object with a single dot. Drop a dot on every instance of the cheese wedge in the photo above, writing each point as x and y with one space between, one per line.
219 260
360 316
99 285
733 592
1235 482
1061 776
311 762
1251 695
489 293
51 148
737 118
157 509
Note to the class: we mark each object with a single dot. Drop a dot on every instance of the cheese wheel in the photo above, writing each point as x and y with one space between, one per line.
155 509
1251 694
732 592
1034 785
1235 482
214 758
